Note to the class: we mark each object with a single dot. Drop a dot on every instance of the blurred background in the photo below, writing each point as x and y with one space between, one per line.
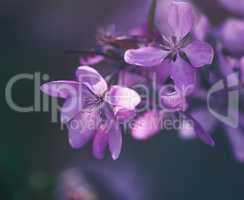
36 161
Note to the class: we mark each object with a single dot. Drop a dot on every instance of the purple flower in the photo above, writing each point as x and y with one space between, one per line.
161 14
151 122
147 125
92 110
202 27
176 101
235 135
201 115
199 130
235 6
176 55
229 64
231 34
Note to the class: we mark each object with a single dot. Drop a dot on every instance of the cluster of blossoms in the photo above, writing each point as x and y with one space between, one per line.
154 76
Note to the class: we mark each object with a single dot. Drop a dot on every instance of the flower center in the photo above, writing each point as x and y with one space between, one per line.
175 47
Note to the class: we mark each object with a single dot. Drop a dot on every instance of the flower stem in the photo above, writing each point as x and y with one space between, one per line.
151 15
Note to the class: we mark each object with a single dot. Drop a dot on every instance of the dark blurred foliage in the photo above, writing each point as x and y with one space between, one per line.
34 152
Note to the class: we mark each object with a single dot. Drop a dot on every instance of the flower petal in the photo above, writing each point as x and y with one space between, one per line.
162 71
201 115
202 28
146 56
63 89
123 97
180 18
186 130
100 142
227 64
184 76
76 104
123 114
200 132
236 138
115 139
199 53
173 100
69 110
146 126
92 79
82 128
